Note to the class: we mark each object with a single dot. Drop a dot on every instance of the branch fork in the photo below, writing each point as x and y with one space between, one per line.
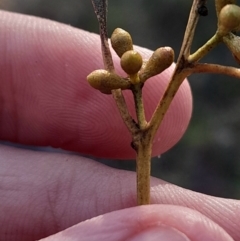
108 82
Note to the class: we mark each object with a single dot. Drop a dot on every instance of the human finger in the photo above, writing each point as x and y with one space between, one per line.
44 193
149 222
45 99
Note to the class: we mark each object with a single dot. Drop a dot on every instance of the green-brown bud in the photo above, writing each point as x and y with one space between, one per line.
121 41
219 4
228 19
106 81
160 60
131 62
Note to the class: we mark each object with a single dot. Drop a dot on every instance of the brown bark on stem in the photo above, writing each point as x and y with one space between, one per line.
143 158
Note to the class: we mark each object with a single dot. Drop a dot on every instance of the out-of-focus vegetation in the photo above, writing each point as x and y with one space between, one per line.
207 159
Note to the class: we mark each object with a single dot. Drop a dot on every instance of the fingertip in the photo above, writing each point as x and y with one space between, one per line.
149 222
53 105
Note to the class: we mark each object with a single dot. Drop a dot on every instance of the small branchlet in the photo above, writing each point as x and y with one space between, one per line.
139 71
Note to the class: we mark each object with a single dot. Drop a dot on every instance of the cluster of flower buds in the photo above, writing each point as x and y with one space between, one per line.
137 70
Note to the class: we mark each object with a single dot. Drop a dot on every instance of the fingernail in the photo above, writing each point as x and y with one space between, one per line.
160 233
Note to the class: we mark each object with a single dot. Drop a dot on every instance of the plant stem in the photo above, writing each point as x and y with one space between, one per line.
182 70
123 110
100 8
144 154
190 30
166 100
144 147
205 49
137 93
216 69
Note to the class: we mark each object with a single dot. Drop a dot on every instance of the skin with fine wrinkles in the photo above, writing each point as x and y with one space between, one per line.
55 191
47 76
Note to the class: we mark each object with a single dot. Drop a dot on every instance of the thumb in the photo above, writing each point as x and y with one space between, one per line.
151 222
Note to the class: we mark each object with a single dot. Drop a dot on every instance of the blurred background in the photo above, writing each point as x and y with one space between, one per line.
207 159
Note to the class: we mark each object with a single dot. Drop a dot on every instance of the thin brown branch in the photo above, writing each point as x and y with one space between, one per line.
137 93
144 154
100 8
216 69
122 107
166 100
205 49
180 73
190 30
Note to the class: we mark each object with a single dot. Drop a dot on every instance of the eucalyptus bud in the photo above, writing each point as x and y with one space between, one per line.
131 62
160 60
121 41
219 4
106 81
228 19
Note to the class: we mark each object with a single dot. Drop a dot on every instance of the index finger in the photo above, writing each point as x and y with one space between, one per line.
46 100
